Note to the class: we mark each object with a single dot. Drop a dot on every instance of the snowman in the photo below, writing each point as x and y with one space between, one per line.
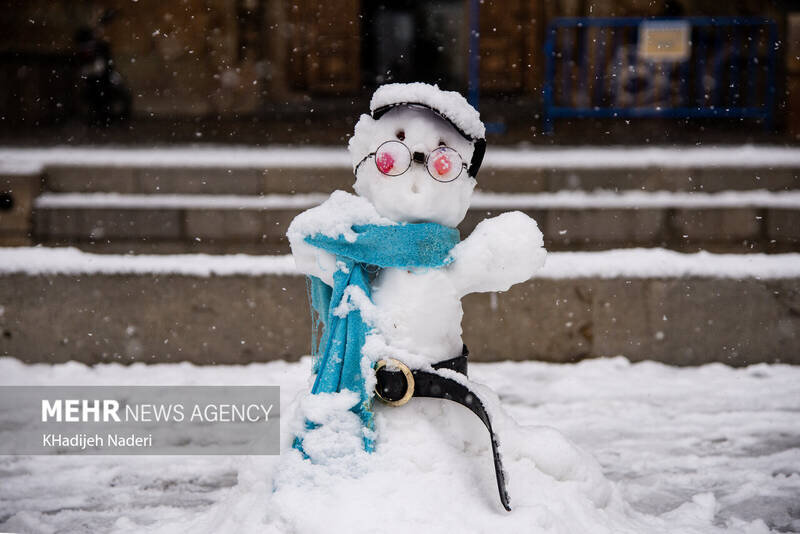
387 271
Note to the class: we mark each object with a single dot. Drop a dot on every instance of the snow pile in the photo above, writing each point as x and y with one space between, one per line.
449 103
707 450
337 443
335 217
433 469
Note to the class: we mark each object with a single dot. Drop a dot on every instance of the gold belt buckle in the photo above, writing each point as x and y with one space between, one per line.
409 381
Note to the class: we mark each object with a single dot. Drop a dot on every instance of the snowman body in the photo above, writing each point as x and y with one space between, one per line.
419 309
396 271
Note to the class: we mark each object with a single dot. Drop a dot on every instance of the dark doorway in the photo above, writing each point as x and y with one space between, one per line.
408 41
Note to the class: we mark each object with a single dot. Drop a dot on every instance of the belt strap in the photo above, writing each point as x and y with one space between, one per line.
396 387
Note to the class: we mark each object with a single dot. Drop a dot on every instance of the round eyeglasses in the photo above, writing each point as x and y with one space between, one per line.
393 158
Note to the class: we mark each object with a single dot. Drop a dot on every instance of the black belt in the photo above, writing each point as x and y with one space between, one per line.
397 386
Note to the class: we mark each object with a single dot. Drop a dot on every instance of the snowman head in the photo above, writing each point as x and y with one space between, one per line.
416 156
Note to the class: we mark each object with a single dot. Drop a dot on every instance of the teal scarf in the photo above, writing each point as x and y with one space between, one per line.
337 353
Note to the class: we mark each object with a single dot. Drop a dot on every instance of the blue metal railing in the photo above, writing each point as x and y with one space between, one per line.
593 69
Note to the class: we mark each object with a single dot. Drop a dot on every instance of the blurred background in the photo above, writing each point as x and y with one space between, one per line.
154 152
136 134
266 71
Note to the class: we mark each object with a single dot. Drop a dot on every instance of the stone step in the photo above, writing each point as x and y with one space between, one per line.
63 304
255 171
754 221
178 180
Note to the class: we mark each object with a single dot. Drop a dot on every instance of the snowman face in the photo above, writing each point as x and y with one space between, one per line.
413 196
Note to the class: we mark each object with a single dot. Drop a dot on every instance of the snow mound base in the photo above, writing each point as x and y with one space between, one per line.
432 472
667 437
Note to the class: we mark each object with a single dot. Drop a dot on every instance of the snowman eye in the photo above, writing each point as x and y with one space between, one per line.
401 135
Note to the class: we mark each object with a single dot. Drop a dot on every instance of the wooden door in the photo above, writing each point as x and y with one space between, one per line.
325 46
501 45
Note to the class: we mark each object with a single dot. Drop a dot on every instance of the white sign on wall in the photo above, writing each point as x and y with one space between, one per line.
665 40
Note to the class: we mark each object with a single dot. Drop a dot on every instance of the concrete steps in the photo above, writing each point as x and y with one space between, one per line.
278 179
61 304
253 171
754 221
262 183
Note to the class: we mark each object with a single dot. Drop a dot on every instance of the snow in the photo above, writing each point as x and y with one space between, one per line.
709 449
737 157
448 103
20 167
662 263
500 252
28 160
598 199
620 263
69 260
197 156
335 217
154 202
604 199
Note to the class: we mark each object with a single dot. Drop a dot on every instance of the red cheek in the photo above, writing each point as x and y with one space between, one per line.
442 165
385 162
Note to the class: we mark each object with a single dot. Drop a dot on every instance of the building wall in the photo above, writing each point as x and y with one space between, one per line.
235 57
191 57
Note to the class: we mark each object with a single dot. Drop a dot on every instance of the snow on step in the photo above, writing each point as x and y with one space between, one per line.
600 199
744 156
621 263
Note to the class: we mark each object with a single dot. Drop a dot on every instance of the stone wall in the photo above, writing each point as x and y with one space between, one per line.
240 319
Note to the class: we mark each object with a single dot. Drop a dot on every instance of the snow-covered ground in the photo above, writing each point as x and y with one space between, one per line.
686 450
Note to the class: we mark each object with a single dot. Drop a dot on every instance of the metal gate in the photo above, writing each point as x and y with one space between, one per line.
688 67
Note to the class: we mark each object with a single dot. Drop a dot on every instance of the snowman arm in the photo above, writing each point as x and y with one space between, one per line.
501 251
313 261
